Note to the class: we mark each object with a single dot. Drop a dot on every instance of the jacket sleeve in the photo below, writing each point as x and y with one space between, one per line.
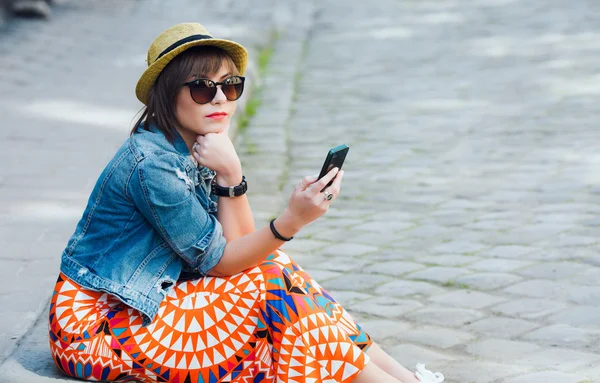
165 195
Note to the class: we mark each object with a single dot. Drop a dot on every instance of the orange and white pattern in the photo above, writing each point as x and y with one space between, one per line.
271 323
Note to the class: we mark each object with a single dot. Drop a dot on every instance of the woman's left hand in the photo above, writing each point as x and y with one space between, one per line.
216 152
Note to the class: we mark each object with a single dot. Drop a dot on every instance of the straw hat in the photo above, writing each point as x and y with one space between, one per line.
177 39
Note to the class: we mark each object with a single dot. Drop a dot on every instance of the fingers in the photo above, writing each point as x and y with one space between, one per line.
320 184
336 186
334 189
307 181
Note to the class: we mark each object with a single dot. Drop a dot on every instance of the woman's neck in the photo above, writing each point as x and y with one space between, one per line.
188 137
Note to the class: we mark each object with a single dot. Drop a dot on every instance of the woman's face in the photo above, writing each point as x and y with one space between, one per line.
195 119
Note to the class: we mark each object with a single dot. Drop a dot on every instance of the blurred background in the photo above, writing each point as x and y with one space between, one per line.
467 234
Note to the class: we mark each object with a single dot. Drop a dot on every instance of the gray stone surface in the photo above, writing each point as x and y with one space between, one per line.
472 165
501 350
438 274
563 335
467 299
488 281
528 308
445 316
437 337
475 371
549 376
394 268
501 327
561 359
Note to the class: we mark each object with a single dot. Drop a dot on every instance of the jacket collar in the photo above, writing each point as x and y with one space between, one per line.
181 148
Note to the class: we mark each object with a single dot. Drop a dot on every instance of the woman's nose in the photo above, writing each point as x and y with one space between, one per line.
220 96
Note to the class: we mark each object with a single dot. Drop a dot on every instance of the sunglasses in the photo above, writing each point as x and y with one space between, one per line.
204 90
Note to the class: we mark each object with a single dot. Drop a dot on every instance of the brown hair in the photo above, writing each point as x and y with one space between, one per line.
200 61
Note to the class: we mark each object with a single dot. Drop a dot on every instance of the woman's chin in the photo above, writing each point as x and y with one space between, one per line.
218 126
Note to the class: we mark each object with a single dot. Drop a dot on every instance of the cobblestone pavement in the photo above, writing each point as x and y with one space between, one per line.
467 232
466 235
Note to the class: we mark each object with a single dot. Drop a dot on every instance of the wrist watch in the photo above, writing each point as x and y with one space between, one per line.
232 191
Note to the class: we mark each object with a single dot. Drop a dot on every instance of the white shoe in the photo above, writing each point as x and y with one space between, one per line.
426 376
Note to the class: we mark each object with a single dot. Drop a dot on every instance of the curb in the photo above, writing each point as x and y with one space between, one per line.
263 145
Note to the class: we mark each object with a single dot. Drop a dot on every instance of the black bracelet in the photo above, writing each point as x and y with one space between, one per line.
276 233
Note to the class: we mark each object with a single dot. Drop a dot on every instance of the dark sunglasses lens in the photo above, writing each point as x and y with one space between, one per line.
203 92
233 88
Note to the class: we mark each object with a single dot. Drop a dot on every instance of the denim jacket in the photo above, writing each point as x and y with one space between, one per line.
150 220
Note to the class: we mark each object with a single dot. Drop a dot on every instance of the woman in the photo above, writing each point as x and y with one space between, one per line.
166 279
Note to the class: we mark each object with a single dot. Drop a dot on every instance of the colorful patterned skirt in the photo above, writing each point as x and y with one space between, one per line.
271 323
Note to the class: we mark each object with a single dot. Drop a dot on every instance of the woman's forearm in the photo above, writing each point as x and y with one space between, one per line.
249 250
234 214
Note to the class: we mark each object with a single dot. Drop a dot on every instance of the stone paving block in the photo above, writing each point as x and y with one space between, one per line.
498 265
382 329
393 268
467 299
325 233
549 376
459 247
563 335
349 298
539 289
402 288
429 231
392 254
553 270
340 263
566 240
452 219
488 281
582 316
387 306
384 226
497 225
473 371
437 337
560 359
528 308
556 254
591 373
449 260
502 350
500 327
380 239
591 276
356 282
389 216
438 274
410 354
303 245
348 249
512 251
445 316
585 295
321 275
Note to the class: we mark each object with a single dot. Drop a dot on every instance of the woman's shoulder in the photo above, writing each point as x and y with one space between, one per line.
149 146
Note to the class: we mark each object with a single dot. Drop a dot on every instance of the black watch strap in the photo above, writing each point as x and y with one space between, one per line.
232 191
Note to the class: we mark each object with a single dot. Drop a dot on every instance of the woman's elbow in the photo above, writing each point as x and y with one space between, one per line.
219 270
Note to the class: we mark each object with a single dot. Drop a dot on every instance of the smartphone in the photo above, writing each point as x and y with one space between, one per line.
335 159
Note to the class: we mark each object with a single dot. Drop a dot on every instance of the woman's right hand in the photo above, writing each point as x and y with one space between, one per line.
308 203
